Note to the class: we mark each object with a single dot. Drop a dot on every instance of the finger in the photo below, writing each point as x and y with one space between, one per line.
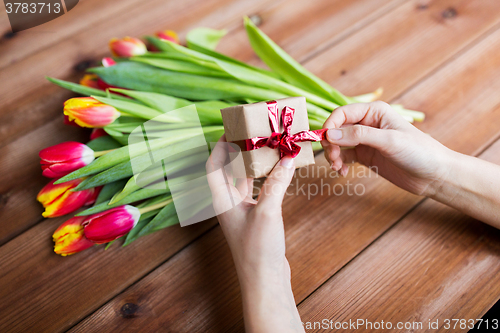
275 186
245 187
380 139
376 114
220 183
332 152
349 156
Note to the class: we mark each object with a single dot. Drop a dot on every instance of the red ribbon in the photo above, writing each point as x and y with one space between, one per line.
285 142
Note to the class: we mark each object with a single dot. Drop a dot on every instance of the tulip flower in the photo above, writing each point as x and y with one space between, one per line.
69 238
88 112
127 47
70 122
59 199
90 80
111 224
97 133
63 158
108 62
168 35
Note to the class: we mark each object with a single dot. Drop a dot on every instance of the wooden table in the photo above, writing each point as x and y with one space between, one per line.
384 255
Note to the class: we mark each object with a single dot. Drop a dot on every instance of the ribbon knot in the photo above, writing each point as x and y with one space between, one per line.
285 141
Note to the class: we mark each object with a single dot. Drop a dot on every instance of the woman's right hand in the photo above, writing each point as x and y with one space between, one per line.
384 140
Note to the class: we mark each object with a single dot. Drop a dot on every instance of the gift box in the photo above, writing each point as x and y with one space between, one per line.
267 131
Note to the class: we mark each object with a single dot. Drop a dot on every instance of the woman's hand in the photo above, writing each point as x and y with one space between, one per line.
383 139
255 234
412 160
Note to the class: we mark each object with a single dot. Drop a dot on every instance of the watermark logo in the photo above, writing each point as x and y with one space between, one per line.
28 14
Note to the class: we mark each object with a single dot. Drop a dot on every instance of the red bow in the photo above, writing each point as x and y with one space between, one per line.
285 142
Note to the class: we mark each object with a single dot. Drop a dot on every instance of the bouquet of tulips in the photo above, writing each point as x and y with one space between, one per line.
140 83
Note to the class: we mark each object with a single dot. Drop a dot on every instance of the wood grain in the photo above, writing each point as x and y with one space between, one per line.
404 46
331 231
87 13
435 264
22 178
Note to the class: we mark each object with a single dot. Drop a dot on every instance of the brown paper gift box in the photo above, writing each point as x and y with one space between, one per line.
247 121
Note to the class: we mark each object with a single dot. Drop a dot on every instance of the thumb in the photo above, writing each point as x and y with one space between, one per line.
359 134
277 182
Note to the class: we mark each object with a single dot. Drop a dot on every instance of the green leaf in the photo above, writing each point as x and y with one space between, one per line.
120 171
283 64
103 143
83 90
109 190
131 236
144 77
249 76
122 154
109 244
208 111
183 161
180 66
137 110
134 197
160 102
205 38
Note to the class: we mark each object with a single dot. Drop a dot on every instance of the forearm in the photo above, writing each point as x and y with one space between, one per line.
268 303
472 186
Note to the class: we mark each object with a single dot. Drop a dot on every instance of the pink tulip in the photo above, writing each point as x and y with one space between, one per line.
127 47
109 225
108 62
60 199
168 35
64 158
88 112
69 237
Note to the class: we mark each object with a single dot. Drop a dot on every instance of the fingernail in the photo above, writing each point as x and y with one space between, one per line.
334 134
287 162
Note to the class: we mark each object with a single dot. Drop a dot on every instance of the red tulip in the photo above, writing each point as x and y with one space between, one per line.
90 80
66 157
69 237
108 62
97 133
88 112
109 225
59 199
168 35
127 47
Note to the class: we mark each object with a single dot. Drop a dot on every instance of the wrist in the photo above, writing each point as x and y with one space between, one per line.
451 167
446 162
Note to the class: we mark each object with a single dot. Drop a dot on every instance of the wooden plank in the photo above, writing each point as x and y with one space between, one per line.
327 235
435 264
404 46
22 178
87 13
304 28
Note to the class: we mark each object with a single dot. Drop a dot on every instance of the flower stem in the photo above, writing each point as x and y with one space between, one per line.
102 152
155 206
